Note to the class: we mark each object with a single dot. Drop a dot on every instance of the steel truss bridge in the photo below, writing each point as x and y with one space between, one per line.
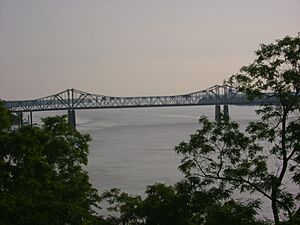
72 99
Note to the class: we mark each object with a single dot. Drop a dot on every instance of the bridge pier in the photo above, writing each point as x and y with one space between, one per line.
20 119
218 112
71 117
30 116
226 111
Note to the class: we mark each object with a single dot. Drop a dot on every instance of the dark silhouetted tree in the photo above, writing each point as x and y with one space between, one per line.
41 176
265 158
182 204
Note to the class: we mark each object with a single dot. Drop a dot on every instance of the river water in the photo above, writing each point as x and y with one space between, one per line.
133 148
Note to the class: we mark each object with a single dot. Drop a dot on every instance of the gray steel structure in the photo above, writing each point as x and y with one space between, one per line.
72 99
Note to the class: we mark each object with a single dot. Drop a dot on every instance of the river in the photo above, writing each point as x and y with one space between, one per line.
132 148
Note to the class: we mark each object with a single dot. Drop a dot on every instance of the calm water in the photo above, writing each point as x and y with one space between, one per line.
132 148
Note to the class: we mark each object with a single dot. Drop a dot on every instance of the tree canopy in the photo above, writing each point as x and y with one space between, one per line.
265 158
42 180
181 204
4 117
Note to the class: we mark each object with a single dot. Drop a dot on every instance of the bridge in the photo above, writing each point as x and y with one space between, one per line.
72 99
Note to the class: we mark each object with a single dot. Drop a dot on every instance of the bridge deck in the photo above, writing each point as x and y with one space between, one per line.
76 99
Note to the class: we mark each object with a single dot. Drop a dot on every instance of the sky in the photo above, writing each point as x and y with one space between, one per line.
133 47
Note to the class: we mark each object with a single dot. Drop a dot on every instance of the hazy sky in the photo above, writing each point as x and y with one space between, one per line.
133 47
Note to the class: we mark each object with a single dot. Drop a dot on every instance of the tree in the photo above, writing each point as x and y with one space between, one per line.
5 117
221 154
41 176
181 204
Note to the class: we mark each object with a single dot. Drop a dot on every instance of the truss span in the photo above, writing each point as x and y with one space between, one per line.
72 99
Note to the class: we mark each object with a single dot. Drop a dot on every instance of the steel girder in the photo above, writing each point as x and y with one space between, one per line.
76 99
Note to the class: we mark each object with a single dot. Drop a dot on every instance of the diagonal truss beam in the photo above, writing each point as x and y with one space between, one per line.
76 99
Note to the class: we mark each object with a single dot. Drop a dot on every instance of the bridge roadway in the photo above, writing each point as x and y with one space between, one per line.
72 99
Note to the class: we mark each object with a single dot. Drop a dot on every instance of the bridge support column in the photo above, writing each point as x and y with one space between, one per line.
30 115
217 113
226 111
72 117
20 119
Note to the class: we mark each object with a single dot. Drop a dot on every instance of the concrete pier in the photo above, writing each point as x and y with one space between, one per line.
226 111
217 113
20 119
72 117
30 115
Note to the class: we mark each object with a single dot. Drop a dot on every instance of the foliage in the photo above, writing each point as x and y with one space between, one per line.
42 180
181 204
265 157
5 117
